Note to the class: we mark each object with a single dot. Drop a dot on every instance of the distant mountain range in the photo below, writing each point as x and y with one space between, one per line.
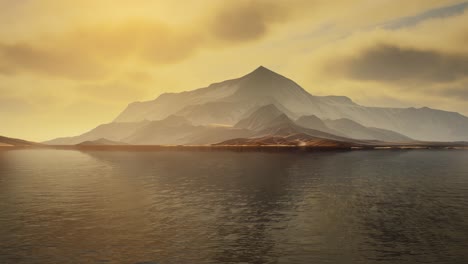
264 106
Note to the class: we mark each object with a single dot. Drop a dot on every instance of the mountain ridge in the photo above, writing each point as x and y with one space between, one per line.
229 102
9 142
241 95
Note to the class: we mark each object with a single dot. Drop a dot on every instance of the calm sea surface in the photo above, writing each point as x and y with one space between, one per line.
66 206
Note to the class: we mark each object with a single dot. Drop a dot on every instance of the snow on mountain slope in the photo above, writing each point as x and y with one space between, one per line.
170 103
261 85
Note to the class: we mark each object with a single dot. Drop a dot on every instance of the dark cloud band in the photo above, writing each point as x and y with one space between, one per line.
390 63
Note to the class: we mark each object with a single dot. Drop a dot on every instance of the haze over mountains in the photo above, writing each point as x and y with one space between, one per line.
264 104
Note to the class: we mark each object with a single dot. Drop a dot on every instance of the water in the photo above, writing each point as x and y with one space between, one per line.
65 206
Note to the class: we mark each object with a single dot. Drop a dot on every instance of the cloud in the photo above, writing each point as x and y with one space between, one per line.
93 52
247 20
457 91
440 12
112 41
427 54
425 64
11 105
391 63
460 93
19 57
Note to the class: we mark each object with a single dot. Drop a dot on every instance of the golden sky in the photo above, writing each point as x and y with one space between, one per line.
67 66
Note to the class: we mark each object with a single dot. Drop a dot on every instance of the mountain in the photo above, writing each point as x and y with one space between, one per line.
116 131
169 131
284 126
270 121
351 129
236 97
6 141
101 142
355 130
229 101
171 103
225 109
313 122
418 123
177 130
161 133
261 118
